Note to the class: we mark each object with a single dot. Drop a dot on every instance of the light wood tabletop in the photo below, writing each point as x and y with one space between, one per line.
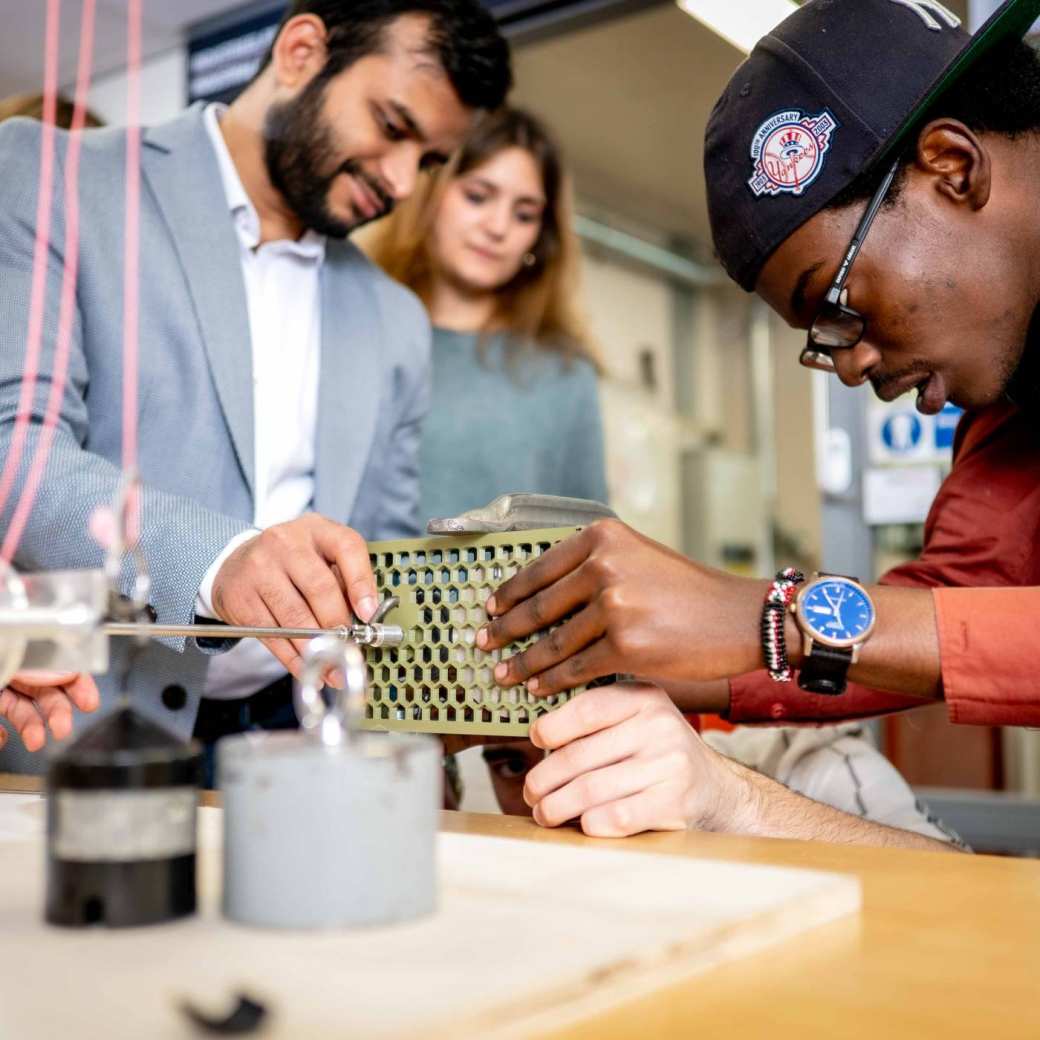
946 944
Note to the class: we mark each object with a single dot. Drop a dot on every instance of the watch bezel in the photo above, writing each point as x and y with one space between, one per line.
823 640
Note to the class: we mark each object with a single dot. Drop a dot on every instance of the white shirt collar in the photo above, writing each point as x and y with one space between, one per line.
310 245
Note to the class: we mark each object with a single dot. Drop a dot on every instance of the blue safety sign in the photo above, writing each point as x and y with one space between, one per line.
901 431
946 426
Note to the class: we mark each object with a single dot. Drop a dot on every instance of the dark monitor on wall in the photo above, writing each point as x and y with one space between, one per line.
224 52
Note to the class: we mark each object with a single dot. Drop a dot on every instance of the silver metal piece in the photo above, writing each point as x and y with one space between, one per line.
523 512
388 604
51 621
371 633
331 725
111 826
59 621
124 541
363 635
332 832
12 640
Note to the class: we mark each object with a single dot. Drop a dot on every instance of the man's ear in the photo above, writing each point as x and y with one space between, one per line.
957 161
299 53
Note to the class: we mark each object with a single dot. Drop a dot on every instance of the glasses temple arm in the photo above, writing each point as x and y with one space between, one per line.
861 232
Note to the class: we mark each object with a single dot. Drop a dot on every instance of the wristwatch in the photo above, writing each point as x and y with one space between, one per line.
836 616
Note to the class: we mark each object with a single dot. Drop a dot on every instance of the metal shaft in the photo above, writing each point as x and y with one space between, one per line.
365 635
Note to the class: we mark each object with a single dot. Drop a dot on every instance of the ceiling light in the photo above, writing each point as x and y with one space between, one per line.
743 24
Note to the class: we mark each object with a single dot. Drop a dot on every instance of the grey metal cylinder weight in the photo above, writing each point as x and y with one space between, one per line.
329 827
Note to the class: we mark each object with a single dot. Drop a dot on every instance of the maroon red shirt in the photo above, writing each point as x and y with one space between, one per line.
983 530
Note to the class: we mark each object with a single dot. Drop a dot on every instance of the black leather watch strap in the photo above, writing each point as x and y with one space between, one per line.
825 670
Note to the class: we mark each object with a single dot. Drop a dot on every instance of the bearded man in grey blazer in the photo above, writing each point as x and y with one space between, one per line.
282 377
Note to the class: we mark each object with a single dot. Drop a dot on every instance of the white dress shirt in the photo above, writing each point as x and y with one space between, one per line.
283 293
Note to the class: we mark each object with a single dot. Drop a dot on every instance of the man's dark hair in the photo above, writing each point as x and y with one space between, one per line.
1000 96
462 36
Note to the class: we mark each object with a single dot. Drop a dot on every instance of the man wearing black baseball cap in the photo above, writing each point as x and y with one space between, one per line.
805 128
868 172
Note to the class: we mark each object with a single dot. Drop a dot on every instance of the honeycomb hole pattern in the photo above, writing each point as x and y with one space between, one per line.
438 680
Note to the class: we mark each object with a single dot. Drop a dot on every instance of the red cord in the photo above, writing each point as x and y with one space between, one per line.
70 274
41 248
131 265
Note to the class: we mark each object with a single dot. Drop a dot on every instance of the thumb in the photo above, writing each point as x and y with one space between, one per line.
347 550
83 693
33 677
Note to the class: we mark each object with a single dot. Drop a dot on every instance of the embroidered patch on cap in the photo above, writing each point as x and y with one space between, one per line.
789 149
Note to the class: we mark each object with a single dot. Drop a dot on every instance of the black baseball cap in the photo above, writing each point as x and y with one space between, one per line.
834 91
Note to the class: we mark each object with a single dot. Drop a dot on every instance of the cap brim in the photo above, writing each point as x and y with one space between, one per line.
1010 21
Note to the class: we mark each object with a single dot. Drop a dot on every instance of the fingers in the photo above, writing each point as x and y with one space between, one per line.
561 643
29 704
303 574
585 714
31 678
558 561
83 693
656 808
287 652
319 590
291 576
538 611
347 549
624 760
581 759
594 662
26 721
598 788
81 690
56 710
638 726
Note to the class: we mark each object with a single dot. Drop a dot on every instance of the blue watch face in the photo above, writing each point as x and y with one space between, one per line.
836 610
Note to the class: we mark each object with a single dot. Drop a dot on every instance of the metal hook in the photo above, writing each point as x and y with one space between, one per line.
388 604
117 539
331 725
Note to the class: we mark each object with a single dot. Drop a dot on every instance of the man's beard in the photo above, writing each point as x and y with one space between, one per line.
301 163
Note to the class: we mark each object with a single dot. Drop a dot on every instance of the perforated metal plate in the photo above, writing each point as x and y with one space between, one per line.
438 681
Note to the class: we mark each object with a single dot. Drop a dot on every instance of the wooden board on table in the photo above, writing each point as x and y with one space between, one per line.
528 936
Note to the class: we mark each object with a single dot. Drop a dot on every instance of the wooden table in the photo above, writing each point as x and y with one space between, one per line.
946 945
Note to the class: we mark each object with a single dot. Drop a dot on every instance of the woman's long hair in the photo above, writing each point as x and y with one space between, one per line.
537 305
31 107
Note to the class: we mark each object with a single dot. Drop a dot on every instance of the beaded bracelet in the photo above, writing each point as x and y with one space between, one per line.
774 611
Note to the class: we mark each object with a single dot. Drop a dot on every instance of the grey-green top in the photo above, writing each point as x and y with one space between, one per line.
530 425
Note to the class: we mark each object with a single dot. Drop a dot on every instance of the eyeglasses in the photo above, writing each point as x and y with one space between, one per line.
838 326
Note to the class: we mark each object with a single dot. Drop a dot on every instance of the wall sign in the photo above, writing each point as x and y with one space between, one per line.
897 433
225 52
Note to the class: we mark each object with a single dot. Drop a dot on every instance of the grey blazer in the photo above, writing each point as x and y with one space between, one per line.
195 387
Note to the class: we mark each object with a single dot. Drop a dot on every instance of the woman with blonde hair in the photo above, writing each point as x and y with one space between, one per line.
487 244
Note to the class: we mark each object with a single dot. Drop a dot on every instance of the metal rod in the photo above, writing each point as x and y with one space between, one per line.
373 635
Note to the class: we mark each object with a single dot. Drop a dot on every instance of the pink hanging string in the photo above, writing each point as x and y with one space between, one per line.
67 306
131 265
41 247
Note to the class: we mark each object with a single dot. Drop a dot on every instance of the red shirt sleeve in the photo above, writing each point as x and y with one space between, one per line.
987 648
982 530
